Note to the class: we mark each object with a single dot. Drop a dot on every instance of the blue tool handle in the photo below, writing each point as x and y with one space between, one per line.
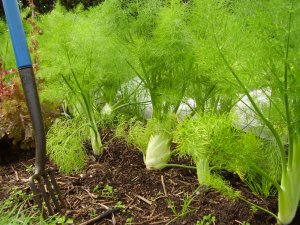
17 33
18 39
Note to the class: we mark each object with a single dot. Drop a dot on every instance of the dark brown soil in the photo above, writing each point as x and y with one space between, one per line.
147 197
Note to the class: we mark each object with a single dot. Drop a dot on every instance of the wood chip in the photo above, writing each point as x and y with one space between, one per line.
144 199
90 194
160 222
113 219
163 185
104 206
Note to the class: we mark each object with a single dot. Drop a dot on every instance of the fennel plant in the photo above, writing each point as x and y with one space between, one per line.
278 32
84 106
215 145
88 59
164 63
162 59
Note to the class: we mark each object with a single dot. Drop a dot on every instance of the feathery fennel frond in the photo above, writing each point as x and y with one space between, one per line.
65 144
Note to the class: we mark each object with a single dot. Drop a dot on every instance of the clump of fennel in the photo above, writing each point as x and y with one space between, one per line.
65 144
215 145
83 105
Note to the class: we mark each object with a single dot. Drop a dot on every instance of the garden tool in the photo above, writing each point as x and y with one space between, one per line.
42 183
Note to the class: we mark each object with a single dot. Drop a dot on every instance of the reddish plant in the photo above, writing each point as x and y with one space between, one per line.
6 88
14 119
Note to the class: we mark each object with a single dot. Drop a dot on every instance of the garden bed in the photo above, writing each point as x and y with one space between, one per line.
119 178
216 78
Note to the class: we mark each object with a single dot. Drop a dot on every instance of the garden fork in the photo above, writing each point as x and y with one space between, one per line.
42 183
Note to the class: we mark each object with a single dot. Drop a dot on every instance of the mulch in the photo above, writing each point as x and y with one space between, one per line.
119 178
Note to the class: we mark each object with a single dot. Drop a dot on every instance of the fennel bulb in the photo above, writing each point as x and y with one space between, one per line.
107 109
203 170
289 193
96 141
158 152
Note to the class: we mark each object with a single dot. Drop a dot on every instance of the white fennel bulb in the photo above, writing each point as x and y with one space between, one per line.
107 109
158 152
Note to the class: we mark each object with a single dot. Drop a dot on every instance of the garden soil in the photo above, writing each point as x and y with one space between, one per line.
119 178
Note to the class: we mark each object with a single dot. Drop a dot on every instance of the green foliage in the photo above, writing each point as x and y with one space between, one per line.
129 221
86 66
245 223
6 50
120 205
217 182
163 57
275 28
214 144
107 191
210 86
65 144
81 43
130 130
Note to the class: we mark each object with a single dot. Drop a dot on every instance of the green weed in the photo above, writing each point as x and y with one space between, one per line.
207 220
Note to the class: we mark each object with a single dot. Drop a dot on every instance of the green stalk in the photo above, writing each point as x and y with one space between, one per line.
286 97
181 166
94 134
147 83
87 108
289 196
119 106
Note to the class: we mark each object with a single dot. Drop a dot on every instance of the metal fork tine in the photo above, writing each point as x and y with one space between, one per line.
45 195
56 189
52 192
36 195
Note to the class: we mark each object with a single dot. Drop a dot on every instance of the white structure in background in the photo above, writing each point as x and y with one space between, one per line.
186 108
247 119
